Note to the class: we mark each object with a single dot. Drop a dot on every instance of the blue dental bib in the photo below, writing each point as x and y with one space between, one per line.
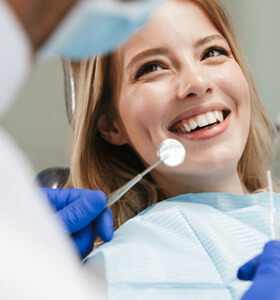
187 247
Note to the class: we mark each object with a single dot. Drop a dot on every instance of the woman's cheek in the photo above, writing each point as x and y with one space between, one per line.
149 99
235 84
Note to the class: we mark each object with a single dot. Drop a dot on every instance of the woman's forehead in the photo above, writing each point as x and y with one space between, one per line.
175 22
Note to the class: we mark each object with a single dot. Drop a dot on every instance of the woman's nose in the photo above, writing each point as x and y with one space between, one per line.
194 83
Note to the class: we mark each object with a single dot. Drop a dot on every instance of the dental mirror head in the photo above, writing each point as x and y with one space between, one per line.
171 152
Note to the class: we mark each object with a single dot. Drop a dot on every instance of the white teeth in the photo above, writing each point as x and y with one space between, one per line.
221 117
201 121
193 124
187 127
211 118
217 114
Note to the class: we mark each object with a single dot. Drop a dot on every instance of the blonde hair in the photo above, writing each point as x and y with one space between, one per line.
97 164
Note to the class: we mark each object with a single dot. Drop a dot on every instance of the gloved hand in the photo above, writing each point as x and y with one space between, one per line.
83 216
264 271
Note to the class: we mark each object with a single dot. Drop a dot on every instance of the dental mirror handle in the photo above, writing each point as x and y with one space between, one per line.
116 195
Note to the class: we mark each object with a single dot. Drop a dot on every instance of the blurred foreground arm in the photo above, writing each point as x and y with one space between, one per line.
39 18
264 271
79 29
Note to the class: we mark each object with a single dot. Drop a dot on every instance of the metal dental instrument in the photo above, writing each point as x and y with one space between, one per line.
273 212
171 152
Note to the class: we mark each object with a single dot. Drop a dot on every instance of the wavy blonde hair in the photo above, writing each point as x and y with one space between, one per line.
97 164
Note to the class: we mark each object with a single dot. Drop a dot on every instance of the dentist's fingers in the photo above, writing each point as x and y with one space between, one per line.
247 271
105 225
84 210
84 240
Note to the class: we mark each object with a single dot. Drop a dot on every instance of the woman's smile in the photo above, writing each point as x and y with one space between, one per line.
201 122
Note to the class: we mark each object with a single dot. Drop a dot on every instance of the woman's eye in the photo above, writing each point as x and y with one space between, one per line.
212 52
148 68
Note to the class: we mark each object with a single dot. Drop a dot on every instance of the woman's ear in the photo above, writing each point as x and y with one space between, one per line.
111 131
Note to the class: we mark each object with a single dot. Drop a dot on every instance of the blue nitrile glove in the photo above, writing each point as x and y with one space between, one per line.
264 271
83 216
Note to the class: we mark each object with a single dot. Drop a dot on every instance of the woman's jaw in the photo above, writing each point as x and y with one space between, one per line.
223 181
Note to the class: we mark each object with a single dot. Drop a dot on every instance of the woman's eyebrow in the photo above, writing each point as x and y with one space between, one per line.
208 39
142 55
163 51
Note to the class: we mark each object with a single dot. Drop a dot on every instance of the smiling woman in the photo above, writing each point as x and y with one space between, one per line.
182 76
159 86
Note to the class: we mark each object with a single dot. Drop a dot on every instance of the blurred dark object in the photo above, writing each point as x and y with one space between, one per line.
53 177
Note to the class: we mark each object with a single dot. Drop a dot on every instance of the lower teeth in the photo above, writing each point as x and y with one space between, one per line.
205 127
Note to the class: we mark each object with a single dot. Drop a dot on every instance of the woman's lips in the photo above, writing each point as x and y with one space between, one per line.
203 132
199 121
198 110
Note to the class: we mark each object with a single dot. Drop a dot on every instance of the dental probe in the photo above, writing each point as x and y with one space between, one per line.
273 212
170 152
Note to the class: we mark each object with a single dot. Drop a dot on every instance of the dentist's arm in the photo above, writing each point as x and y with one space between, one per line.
39 18
83 216
264 271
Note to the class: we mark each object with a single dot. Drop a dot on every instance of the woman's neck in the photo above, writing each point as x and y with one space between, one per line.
223 182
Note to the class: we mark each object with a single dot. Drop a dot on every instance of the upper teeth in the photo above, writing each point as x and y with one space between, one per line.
202 120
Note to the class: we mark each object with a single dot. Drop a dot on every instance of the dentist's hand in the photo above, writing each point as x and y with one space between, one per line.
83 216
264 271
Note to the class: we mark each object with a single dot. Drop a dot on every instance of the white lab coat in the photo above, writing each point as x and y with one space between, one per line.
37 261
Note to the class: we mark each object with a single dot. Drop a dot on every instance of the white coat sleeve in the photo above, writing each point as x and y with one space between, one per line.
15 56
37 260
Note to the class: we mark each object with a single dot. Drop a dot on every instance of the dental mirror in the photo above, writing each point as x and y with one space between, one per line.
171 152
174 152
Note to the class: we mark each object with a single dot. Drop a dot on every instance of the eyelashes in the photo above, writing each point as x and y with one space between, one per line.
149 67
214 51
155 65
